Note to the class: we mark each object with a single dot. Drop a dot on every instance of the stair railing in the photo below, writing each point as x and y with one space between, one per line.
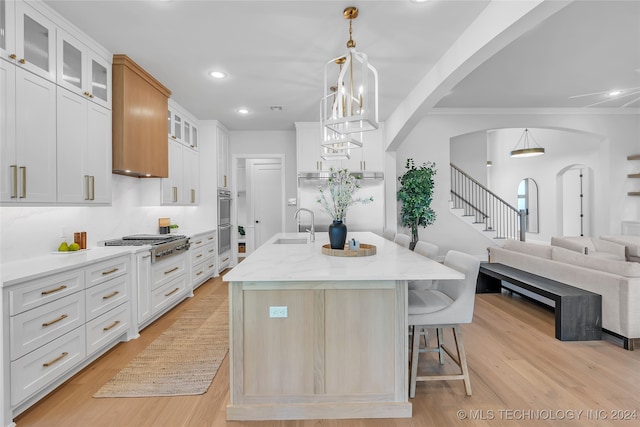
486 207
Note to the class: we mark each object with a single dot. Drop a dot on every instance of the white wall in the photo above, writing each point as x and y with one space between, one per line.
618 135
32 231
257 143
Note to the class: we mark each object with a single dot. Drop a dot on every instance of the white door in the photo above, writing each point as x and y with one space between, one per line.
266 195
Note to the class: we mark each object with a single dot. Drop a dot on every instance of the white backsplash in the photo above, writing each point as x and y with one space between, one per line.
31 231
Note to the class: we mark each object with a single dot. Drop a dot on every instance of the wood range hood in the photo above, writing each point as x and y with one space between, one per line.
140 106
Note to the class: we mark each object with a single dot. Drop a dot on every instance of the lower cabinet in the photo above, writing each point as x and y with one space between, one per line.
57 324
203 257
160 285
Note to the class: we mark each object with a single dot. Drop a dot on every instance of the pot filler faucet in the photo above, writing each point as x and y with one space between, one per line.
312 232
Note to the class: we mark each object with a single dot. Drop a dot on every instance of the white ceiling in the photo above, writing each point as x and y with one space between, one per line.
274 52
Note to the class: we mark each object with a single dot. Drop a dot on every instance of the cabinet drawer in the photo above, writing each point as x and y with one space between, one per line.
31 373
104 329
34 328
198 255
167 294
165 271
107 270
201 240
105 296
35 293
210 266
198 273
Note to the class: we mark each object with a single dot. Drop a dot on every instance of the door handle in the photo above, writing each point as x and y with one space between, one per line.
257 222
86 188
23 173
93 186
14 177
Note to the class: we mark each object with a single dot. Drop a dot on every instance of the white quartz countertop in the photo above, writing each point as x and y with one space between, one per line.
306 262
33 268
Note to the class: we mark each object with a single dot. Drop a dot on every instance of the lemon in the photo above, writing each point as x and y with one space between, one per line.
74 247
63 247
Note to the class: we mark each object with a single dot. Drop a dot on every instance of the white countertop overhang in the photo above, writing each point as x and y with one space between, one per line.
306 262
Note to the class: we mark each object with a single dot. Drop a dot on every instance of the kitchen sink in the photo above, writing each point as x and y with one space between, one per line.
291 241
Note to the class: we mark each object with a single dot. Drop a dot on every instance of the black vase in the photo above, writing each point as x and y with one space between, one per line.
337 234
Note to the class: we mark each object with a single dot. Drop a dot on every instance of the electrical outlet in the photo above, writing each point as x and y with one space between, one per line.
278 311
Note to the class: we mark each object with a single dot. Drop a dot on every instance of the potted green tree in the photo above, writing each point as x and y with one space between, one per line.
416 194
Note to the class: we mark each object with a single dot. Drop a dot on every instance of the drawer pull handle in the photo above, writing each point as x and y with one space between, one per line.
57 359
226 259
64 316
113 270
210 238
111 295
111 326
50 291
172 292
211 251
199 256
172 270
198 242
199 273
211 266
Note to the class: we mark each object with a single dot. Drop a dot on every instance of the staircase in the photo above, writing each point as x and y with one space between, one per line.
484 210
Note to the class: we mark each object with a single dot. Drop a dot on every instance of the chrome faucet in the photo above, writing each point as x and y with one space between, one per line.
312 232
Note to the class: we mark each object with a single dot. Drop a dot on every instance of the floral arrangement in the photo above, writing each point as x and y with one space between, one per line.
341 187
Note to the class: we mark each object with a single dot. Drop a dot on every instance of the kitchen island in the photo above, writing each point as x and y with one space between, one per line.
314 336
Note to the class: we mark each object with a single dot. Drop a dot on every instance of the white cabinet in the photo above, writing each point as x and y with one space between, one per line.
169 283
181 126
82 71
28 143
371 156
7 28
143 272
84 150
222 151
56 324
309 149
190 177
203 257
182 187
35 47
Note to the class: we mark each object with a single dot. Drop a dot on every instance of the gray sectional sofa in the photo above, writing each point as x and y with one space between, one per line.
617 281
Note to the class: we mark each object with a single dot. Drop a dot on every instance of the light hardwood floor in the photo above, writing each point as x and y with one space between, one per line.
520 375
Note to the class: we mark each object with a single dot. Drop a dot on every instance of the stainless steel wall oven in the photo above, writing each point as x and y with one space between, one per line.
224 221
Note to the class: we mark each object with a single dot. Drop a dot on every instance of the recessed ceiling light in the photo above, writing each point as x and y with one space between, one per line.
218 74
615 92
243 110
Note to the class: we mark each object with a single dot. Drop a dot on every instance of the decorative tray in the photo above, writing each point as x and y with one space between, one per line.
365 250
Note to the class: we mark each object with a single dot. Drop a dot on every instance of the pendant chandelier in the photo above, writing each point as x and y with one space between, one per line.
527 150
351 105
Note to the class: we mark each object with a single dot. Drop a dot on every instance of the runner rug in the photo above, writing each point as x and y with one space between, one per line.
183 360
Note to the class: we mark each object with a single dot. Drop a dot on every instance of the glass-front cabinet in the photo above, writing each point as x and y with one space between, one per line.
7 28
82 71
34 41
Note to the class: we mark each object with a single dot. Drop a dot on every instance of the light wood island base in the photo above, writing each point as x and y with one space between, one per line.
341 350
340 353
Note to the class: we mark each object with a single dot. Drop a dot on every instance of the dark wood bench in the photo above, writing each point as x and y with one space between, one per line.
578 312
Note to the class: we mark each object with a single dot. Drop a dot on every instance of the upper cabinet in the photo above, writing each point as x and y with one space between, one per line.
222 151
182 187
28 38
309 150
140 105
84 150
83 71
27 136
182 126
